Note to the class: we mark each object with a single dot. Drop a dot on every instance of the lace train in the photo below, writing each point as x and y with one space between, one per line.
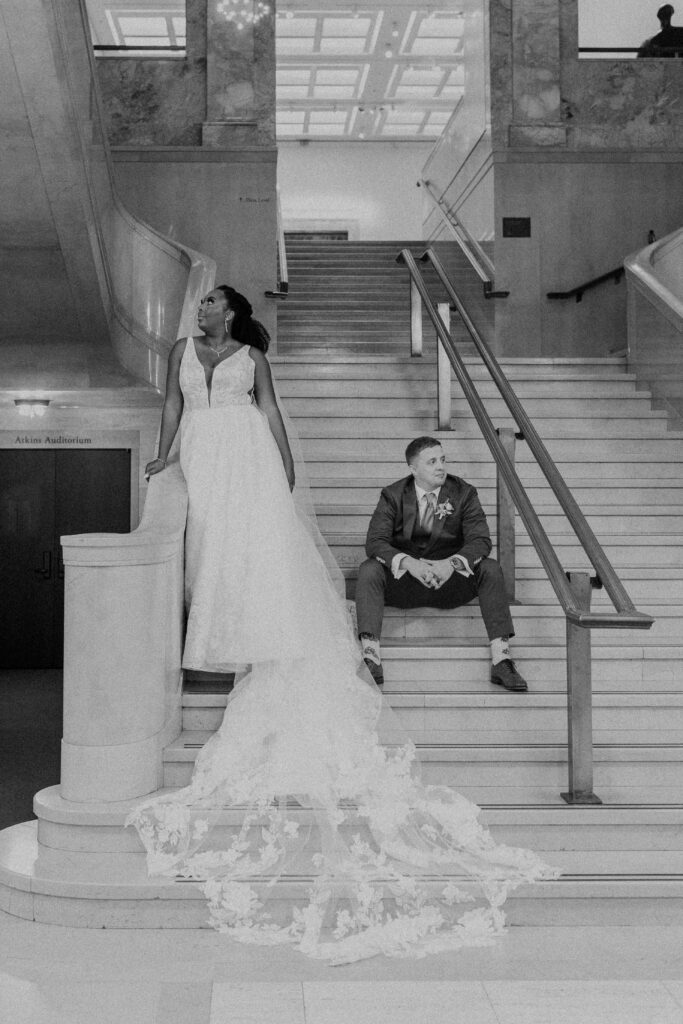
309 830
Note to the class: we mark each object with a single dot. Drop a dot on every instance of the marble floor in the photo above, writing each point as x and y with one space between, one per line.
54 975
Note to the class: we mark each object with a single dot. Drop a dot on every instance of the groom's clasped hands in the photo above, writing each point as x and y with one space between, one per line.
432 573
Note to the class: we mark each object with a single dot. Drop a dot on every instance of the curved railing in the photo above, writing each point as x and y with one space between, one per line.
572 590
654 278
150 284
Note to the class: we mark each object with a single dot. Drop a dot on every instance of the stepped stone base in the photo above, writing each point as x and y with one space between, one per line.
113 890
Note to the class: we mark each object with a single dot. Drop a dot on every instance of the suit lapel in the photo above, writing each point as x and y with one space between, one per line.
409 509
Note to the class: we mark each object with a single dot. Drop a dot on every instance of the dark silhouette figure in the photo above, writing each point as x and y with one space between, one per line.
668 42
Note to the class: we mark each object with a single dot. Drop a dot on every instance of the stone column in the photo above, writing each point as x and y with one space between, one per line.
240 80
536 74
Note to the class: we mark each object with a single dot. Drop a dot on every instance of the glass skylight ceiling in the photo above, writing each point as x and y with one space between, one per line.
344 71
138 27
367 72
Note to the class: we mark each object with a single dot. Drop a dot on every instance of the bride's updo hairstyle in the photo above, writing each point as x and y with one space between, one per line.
244 328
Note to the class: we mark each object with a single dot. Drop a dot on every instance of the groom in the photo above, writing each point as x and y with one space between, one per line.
427 545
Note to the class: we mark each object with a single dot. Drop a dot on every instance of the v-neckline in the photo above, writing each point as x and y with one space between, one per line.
209 383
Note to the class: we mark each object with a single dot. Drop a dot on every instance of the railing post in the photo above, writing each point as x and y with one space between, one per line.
505 509
580 700
443 366
415 320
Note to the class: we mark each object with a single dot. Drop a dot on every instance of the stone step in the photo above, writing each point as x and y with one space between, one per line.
621 550
669 522
668 590
114 891
402 415
541 626
335 491
479 469
596 427
582 387
477 717
345 365
446 666
617 766
378 449
98 827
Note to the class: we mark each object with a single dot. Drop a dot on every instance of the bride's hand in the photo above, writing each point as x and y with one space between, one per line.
154 467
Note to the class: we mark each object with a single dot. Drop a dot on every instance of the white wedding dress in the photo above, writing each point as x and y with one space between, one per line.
305 818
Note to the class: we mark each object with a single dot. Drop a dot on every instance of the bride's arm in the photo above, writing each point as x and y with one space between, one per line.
172 411
267 403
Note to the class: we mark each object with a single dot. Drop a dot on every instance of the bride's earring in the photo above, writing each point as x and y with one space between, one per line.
227 321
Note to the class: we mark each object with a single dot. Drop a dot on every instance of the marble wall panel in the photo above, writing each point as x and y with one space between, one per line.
536 70
219 203
586 215
158 102
537 80
153 102
220 95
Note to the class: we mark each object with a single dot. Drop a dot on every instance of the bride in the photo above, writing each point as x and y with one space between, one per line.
305 819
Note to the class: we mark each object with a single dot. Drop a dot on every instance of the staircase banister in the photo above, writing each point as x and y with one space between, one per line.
577 520
611 620
641 269
544 548
577 292
470 247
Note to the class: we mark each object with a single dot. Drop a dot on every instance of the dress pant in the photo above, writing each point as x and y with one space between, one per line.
377 587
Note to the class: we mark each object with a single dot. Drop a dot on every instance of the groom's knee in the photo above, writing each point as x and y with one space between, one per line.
371 574
488 570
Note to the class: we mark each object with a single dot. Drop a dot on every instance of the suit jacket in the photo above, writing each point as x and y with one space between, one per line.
464 531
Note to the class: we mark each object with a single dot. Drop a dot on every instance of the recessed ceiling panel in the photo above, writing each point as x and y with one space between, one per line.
412 68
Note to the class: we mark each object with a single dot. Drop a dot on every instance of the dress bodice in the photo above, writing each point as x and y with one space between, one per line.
231 384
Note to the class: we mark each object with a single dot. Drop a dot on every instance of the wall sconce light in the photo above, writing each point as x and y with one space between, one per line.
31 407
243 12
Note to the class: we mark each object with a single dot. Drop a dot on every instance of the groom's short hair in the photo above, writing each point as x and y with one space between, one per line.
419 445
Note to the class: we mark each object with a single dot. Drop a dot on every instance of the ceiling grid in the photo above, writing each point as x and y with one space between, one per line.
363 71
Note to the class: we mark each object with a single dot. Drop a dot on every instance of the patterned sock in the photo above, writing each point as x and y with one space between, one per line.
500 650
370 647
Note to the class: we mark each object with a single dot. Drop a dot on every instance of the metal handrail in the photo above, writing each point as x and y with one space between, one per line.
626 616
471 249
283 277
577 292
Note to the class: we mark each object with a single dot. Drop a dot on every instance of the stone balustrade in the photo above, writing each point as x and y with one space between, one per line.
122 649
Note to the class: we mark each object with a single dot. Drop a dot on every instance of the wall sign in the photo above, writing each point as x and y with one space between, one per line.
516 227
69 439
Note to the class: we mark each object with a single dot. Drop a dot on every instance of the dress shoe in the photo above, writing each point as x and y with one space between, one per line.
505 674
375 671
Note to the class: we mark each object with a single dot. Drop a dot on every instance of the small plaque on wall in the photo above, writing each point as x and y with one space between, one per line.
516 227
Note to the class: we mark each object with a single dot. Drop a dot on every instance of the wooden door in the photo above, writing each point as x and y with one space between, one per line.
43 495
27 531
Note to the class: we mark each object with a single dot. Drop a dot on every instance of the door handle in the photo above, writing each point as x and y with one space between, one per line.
46 569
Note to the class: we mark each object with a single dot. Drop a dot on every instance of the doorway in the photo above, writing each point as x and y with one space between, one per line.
44 495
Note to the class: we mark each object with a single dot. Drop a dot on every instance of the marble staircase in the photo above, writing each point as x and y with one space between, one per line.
621 860
354 295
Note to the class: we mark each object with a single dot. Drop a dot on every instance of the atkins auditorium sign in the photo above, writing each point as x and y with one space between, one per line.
61 439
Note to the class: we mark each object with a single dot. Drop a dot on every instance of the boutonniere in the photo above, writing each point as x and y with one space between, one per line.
444 509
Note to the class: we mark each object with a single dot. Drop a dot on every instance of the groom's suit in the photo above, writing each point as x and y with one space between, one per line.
459 528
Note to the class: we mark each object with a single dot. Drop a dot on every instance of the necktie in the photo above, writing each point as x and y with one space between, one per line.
428 511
